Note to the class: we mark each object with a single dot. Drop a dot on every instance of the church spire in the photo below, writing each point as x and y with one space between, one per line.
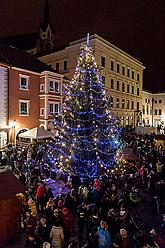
46 17
46 42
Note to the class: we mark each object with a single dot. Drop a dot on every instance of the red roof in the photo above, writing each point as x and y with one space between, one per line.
10 185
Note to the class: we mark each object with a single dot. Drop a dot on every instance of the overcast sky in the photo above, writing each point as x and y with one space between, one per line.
136 26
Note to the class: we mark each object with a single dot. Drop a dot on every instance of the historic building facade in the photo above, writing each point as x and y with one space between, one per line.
30 93
122 75
153 109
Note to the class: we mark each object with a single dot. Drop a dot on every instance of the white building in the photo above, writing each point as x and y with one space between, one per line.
153 108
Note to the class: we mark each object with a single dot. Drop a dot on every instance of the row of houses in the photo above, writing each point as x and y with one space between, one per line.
31 88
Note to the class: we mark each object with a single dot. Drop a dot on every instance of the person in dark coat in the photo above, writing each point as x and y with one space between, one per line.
67 223
122 240
41 232
31 242
53 219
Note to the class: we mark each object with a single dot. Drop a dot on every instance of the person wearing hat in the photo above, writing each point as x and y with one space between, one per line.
46 245
122 240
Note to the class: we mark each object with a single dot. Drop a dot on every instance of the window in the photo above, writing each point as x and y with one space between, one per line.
53 85
147 111
132 89
143 110
24 107
127 88
123 70
132 105
57 66
123 87
160 111
24 82
127 104
123 104
160 101
148 100
42 111
155 111
42 87
103 79
128 72
133 74
137 105
112 83
138 77
117 102
150 111
117 85
111 102
102 61
53 108
65 65
118 68
112 65
155 101
138 91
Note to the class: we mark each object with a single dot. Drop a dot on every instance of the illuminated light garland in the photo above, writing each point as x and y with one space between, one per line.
88 135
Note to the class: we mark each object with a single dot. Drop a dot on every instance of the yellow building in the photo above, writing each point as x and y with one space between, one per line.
122 75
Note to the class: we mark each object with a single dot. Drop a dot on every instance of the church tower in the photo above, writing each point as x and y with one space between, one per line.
46 36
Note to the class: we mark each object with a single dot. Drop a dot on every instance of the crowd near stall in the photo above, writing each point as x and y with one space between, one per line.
61 210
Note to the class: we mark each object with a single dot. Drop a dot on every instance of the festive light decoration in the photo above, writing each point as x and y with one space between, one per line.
88 136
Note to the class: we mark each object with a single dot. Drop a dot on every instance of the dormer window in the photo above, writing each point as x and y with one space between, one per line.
24 82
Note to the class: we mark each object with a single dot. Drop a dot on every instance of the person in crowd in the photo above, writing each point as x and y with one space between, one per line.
46 245
41 232
82 219
104 239
31 241
40 194
122 240
57 235
48 211
56 217
67 223
32 207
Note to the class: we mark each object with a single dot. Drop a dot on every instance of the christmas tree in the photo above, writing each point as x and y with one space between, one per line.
88 136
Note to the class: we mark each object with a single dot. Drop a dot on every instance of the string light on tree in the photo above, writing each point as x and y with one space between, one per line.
85 127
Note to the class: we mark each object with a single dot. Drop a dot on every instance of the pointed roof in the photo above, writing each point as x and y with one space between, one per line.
46 17
18 58
10 185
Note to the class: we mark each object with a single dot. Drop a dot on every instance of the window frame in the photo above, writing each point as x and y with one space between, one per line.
27 81
53 112
54 88
28 107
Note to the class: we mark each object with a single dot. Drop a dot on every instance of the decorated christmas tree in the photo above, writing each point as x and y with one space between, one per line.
88 136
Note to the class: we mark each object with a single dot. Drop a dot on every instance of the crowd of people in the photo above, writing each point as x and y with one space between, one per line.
102 212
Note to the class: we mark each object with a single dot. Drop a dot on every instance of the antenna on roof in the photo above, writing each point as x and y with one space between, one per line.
87 39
